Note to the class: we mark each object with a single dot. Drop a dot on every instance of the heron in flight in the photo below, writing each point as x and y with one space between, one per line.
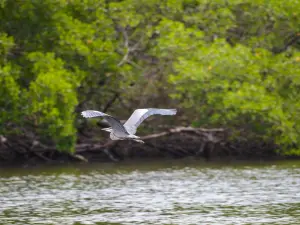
119 131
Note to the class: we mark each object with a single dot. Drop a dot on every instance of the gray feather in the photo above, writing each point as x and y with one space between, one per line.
139 115
113 122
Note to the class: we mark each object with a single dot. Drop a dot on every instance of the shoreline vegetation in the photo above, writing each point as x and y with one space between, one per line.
232 64
176 143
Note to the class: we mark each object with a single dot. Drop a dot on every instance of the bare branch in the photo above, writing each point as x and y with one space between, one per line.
129 49
208 135
111 101
199 131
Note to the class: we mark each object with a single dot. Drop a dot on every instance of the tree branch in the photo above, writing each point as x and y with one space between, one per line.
199 131
129 49
111 101
208 134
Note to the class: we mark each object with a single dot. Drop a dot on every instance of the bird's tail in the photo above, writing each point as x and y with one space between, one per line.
132 136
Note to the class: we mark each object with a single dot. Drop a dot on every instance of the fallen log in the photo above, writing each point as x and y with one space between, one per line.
206 133
175 142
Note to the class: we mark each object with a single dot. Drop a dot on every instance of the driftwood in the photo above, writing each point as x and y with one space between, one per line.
205 136
208 134
174 142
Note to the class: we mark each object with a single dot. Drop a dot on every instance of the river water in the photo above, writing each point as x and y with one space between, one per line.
164 192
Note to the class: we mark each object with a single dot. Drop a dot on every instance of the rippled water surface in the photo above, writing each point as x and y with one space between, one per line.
167 192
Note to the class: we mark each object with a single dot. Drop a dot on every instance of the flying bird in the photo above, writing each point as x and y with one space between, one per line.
126 131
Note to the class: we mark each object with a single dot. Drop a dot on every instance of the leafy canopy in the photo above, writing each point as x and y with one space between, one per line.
234 64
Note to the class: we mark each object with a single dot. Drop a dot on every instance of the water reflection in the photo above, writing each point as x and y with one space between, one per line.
170 192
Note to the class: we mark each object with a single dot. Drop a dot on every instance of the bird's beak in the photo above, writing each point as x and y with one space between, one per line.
108 129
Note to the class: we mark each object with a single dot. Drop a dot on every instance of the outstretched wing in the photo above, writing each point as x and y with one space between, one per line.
93 113
113 122
139 115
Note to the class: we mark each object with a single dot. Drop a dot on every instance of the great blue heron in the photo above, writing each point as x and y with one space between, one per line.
118 131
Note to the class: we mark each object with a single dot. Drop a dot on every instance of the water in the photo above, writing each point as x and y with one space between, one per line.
166 192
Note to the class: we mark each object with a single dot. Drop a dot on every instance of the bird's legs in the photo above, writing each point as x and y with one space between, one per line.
138 140
135 138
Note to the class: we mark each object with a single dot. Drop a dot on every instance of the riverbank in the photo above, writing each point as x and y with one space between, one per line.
180 142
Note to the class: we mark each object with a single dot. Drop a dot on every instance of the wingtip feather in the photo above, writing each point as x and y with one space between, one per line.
92 113
83 113
174 111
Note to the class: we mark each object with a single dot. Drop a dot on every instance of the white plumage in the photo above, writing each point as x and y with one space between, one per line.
127 131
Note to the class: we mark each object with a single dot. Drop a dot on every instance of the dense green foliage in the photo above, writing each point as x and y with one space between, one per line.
234 64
